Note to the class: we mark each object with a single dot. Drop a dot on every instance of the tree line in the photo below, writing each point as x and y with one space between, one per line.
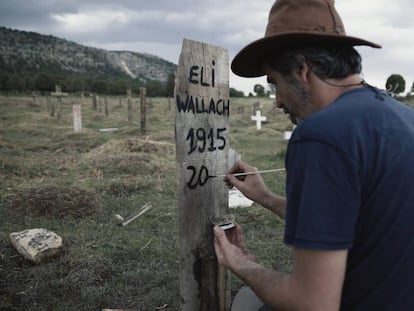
72 83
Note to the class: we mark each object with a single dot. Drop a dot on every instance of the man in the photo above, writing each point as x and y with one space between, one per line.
349 206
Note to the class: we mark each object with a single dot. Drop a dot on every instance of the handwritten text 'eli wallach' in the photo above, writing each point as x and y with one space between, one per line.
199 105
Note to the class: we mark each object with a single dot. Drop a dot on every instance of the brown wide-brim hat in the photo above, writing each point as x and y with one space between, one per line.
294 23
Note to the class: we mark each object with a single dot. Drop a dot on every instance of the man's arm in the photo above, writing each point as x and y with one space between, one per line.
314 284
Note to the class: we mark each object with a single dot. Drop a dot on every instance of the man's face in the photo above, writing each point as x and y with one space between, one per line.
290 95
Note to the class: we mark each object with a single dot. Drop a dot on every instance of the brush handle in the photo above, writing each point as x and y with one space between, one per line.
253 173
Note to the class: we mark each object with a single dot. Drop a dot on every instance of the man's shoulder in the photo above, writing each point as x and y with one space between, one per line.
354 112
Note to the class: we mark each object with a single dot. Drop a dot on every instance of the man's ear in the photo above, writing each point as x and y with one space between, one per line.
304 73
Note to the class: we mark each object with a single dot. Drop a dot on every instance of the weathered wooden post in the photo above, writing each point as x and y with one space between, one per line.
129 104
201 131
48 105
256 106
58 94
106 107
77 118
34 97
143 104
95 102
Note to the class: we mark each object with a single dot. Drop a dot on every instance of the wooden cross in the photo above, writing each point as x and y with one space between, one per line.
258 118
58 94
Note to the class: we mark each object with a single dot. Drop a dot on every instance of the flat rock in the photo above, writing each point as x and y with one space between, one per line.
237 199
37 245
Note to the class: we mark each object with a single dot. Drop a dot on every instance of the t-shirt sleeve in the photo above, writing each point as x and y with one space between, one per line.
323 196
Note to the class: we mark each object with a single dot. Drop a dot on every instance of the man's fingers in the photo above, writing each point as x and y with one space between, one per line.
220 235
220 243
233 180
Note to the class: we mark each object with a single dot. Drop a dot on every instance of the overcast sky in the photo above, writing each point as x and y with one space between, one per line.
159 26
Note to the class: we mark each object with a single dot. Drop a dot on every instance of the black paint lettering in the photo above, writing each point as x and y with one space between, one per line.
191 184
223 107
202 178
212 74
198 179
193 73
221 138
202 80
199 105
200 138
220 111
200 72
190 136
212 107
191 105
181 106
211 137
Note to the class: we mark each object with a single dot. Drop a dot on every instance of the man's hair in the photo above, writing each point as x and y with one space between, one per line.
325 62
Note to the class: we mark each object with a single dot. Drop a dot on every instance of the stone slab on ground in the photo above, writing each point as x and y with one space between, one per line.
237 199
37 245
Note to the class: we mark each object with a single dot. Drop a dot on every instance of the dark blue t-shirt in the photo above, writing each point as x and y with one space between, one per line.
350 185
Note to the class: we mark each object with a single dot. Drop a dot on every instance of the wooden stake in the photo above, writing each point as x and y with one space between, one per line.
143 93
201 131
77 118
129 104
144 209
106 107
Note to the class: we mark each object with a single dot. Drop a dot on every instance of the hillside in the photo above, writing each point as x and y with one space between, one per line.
29 53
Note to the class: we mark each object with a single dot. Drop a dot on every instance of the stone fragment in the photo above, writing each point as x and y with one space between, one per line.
237 199
37 245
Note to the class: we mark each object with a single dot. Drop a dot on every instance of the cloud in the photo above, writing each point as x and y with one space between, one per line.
159 26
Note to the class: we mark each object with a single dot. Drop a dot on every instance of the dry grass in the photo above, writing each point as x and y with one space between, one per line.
55 202
74 183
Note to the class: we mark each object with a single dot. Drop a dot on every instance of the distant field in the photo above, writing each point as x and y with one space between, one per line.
42 162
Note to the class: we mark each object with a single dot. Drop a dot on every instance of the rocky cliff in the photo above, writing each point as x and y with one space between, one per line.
27 52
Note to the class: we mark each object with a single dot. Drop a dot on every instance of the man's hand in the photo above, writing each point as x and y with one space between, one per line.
230 247
252 186
314 284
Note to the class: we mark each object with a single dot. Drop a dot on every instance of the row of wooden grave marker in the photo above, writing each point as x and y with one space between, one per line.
55 107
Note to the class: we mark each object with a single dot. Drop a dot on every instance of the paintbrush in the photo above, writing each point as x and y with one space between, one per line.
252 173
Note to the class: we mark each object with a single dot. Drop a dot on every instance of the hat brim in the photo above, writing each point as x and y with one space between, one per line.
249 61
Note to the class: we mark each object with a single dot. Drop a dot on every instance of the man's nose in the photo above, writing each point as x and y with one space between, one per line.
279 102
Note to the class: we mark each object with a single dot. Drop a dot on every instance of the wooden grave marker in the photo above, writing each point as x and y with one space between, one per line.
106 107
34 97
202 143
95 99
77 118
143 104
129 106
58 94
